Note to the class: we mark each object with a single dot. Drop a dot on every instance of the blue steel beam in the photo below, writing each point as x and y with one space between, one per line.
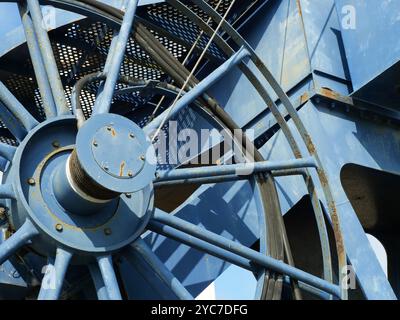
98 282
53 280
37 62
199 244
238 169
361 143
110 280
12 124
117 51
157 271
228 178
198 90
16 108
17 240
48 58
245 252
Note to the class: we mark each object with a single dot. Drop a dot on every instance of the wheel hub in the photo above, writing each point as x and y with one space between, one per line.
55 166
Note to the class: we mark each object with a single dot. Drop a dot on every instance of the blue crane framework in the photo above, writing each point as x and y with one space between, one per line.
88 210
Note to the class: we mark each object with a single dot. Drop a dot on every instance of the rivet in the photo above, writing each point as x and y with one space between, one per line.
107 231
105 168
132 135
130 174
109 128
128 195
59 227
142 157
55 144
31 181
95 143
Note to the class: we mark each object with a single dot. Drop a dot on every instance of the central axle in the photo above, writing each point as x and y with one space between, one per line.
110 158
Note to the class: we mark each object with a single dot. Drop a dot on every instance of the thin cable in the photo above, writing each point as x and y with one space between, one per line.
185 61
193 70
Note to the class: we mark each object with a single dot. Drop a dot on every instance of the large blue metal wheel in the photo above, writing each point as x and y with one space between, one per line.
82 190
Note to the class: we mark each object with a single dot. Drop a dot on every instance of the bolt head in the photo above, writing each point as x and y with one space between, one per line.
130 174
142 157
109 128
95 143
107 231
55 144
31 181
59 227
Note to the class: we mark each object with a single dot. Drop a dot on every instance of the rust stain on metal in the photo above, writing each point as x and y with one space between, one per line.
113 132
299 6
121 168
336 230
304 98
310 144
323 178
333 95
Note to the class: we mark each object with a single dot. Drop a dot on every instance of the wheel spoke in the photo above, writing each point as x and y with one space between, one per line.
245 252
37 62
16 108
48 58
234 169
7 151
98 282
118 47
53 279
199 244
17 240
198 90
156 270
12 124
109 278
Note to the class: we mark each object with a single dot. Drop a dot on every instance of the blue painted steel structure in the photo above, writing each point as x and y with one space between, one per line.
312 85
